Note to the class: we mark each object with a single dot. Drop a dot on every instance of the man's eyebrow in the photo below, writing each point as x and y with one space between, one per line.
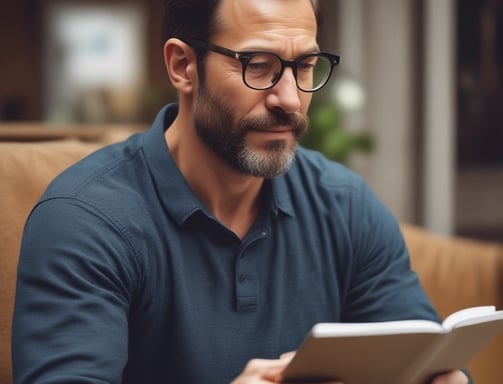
253 48
314 48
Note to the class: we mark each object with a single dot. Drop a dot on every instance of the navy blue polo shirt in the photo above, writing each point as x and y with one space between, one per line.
125 276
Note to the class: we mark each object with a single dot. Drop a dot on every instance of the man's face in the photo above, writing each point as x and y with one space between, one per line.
219 127
255 132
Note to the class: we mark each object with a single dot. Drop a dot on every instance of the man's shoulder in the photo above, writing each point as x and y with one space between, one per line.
105 169
313 167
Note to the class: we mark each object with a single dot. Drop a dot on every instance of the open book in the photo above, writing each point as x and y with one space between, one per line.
394 352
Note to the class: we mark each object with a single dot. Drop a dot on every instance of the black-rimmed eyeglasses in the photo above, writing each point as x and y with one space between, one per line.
263 70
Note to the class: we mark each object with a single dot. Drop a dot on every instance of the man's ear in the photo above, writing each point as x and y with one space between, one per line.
180 61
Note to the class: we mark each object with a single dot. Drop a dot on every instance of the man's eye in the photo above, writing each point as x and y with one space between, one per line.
260 66
305 67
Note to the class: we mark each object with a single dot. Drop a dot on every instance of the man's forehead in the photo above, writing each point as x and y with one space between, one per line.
256 11
279 18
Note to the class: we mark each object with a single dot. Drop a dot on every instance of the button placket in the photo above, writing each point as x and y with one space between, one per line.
246 287
246 279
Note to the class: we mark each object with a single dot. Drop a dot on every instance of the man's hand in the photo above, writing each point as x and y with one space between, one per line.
262 371
454 377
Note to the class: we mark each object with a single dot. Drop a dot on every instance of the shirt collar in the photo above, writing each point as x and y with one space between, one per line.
280 194
172 186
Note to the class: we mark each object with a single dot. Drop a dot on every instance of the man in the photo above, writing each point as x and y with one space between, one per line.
204 249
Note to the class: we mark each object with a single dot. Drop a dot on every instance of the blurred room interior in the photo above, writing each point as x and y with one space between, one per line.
422 78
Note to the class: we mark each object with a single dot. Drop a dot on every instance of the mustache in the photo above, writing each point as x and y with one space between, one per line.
297 122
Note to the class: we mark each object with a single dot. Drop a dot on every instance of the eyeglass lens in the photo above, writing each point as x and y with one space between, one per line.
263 70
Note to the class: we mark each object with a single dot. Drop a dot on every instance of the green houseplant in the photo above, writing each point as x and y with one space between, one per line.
327 135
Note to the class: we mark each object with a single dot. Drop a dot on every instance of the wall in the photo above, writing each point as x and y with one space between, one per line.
376 46
20 70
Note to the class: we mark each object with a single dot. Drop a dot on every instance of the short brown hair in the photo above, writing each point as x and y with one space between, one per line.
196 18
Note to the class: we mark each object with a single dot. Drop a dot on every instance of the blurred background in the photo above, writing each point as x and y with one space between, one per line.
416 106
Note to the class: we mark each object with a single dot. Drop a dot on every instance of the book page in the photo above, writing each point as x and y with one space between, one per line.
465 314
376 328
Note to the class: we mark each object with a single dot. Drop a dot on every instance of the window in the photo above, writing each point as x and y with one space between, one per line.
94 62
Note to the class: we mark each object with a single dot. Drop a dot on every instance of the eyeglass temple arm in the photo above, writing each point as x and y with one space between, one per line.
213 47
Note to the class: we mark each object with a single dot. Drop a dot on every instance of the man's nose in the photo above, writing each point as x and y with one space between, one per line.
284 95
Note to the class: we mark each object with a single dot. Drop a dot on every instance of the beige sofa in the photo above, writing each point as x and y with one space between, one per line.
456 273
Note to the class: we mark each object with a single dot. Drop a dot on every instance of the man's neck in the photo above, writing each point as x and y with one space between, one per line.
233 198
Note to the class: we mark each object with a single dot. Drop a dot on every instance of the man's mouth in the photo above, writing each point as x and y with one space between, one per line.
282 129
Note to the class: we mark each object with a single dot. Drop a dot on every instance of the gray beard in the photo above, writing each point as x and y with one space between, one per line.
274 163
214 124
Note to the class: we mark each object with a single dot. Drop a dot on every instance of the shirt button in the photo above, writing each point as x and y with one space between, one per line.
263 233
242 278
